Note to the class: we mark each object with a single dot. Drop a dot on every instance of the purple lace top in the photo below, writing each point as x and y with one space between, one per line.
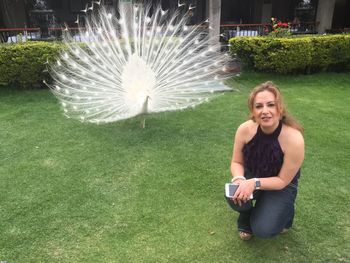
263 155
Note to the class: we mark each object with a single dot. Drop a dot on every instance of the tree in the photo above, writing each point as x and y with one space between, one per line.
214 20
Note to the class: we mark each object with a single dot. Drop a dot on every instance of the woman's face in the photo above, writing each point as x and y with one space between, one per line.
265 111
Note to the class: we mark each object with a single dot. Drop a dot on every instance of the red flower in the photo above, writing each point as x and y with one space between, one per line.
279 28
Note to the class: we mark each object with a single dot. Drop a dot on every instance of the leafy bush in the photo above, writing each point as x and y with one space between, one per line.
331 53
23 64
294 54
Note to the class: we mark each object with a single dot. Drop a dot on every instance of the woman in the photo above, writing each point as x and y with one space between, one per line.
267 155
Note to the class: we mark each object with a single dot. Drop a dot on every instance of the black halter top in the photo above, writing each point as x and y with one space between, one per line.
263 155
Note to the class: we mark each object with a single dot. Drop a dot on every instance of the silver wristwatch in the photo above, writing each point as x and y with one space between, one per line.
257 183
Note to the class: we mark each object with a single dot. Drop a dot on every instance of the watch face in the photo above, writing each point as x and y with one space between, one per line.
257 184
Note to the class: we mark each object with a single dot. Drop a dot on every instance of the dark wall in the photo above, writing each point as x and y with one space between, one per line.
281 9
237 11
304 14
341 16
12 13
66 11
250 11
16 13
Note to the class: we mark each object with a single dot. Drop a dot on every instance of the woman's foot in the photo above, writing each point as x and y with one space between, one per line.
245 236
285 230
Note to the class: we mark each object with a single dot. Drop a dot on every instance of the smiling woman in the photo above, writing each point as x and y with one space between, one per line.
273 90
265 111
267 155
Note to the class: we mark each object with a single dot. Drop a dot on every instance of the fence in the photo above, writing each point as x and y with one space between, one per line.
242 30
12 35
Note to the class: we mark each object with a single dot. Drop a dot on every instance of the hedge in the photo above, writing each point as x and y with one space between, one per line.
296 54
23 65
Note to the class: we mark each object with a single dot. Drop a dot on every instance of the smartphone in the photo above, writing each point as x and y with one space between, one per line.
230 189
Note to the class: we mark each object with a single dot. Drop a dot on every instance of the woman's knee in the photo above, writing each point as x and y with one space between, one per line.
265 230
243 208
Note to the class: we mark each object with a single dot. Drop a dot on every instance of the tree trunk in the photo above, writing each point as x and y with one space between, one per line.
324 17
214 20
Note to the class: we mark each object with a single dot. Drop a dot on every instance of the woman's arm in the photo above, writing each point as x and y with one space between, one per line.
237 162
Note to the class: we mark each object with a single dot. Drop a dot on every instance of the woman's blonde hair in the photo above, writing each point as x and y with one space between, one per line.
285 116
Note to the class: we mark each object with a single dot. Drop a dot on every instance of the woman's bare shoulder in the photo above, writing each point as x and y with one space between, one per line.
247 130
247 125
293 133
291 136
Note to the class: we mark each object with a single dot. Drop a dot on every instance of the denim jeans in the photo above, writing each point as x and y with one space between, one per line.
272 212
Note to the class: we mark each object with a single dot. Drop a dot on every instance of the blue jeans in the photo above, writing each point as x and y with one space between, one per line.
273 211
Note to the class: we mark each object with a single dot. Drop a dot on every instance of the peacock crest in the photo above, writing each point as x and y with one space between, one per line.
130 64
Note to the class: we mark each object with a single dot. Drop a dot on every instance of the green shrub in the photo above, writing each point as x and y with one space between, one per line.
284 55
24 64
294 54
331 53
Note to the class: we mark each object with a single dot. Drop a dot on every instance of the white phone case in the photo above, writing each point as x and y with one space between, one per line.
230 189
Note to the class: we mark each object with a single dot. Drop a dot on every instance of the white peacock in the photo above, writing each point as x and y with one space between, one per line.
157 63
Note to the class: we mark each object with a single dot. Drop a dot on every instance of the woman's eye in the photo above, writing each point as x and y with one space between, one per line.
271 105
258 106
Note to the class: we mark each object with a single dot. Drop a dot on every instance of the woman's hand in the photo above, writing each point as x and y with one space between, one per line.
244 191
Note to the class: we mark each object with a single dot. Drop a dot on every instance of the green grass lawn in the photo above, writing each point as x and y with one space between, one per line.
74 192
